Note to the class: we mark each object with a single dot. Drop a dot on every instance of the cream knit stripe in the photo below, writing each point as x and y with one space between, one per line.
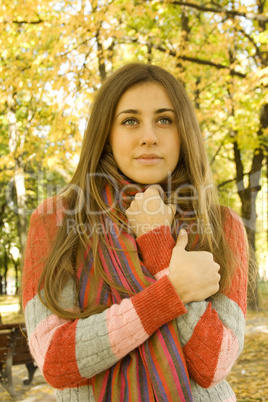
229 314
76 394
101 339
35 312
222 392
93 349
186 323
107 337
92 346
42 329
230 339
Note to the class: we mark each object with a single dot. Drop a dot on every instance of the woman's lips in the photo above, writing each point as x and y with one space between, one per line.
148 159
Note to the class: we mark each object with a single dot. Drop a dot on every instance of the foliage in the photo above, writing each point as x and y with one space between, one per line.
54 55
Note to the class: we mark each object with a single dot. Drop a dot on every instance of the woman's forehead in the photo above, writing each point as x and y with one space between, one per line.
146 95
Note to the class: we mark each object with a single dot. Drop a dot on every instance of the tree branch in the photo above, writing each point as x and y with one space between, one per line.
230 180
37 21
259 152
217 152
226 182
257 49
219 10
239 167
27 22
186 58
201 61
2 209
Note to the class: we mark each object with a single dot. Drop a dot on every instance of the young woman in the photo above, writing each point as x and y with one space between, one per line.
134 277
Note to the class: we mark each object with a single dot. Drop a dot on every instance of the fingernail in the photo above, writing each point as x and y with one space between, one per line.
182 232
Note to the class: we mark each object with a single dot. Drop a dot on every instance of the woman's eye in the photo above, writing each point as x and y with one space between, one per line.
129 122
164 120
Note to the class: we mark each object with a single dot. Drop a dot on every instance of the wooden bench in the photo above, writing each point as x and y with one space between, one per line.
14 350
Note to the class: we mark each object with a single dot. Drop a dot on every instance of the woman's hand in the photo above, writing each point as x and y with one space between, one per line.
194 274
148 211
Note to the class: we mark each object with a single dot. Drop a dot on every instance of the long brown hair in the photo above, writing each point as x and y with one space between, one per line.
97 167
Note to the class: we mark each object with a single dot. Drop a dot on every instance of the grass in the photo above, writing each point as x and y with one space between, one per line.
8 300
263 295
9 317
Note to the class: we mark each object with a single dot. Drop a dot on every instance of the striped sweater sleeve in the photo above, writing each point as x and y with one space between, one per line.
71 352
211 332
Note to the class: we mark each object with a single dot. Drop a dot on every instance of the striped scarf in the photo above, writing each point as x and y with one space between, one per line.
156 370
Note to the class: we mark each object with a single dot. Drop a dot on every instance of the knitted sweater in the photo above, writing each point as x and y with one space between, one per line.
211 332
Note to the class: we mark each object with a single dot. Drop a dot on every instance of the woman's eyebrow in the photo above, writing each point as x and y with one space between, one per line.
164 110
129 111
135 111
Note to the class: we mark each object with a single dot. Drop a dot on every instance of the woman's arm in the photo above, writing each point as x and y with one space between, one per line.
149 215
212 332
68 352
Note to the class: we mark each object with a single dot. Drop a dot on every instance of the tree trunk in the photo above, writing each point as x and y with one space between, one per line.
16 143
17 284
1 285
101 58
249 217
5 271
248 197
22 208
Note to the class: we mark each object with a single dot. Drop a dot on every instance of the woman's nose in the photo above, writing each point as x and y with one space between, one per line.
148 136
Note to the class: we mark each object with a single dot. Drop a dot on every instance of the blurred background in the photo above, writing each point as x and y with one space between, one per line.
54 55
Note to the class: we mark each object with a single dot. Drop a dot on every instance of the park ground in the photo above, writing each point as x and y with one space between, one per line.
248 377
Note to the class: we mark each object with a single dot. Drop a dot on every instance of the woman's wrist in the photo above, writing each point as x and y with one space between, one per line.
155 248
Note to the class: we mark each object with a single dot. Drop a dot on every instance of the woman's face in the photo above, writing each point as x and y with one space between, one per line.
144 137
